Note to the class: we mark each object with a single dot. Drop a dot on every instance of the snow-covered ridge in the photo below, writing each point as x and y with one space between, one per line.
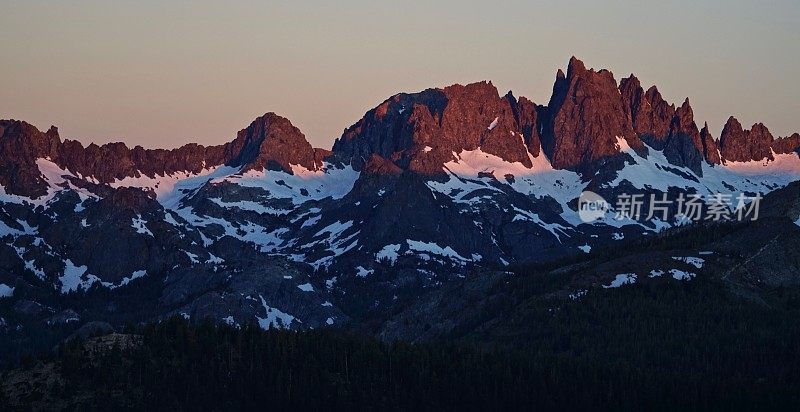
301 185
467 174
656 172
170 189
56 182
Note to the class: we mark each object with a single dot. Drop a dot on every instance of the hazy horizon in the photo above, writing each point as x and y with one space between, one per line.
164 75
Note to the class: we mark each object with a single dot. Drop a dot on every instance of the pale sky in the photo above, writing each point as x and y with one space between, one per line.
161 75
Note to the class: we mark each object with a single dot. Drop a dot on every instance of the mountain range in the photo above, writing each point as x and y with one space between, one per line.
426 200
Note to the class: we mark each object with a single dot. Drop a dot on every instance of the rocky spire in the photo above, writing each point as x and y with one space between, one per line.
683 146
710 147
586 116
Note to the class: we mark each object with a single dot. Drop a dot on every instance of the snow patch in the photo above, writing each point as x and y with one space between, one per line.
311 221
125 281
388 252
249 206
192 257
140 225
171 188
656 172
681 275
622 279
275 318
6 291
362 272
73 278
214 260
694 261
539 181
331 282
578 294
435 249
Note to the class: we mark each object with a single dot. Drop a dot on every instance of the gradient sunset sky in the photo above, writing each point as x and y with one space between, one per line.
161 75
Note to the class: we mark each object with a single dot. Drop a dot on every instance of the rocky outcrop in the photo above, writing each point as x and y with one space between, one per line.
20 145
787 144
739 145
586 116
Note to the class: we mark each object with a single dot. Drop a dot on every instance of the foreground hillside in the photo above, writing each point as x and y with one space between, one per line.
687 346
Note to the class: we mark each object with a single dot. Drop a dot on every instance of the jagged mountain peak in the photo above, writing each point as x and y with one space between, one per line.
577 130
575 67
630 82
421 131
269 142
272 142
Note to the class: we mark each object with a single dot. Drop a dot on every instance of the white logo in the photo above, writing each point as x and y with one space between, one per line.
592 206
